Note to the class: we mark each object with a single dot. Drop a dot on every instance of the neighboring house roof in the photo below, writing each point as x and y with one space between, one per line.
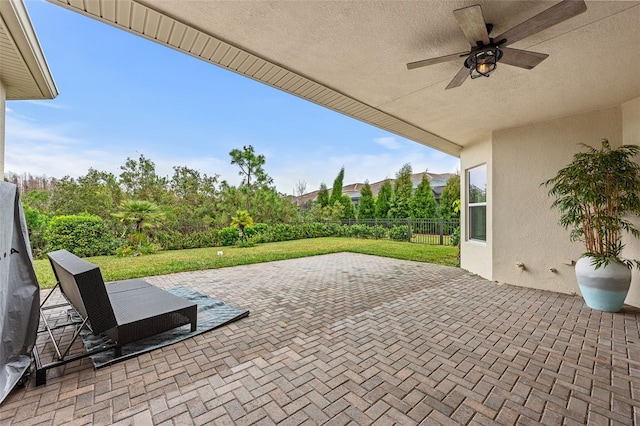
437 180
24 72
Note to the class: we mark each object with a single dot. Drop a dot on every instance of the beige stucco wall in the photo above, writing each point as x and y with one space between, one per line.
522 227
631 136
476 256
526 230
3 98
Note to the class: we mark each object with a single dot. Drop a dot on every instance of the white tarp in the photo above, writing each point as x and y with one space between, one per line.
19 292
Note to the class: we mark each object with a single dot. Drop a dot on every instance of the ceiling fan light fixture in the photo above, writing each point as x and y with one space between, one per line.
483 62
485 53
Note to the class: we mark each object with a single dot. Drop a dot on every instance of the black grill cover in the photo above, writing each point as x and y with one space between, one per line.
19 292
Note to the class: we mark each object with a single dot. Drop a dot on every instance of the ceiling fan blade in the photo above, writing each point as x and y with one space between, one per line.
554 15
521 58
459 78
432 61
472 24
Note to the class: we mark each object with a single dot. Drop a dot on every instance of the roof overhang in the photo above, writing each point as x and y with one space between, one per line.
24 72
351 57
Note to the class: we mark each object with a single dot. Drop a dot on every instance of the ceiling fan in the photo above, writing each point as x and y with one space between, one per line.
487 51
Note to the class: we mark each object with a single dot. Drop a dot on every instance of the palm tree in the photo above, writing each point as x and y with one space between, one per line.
240 220
144 215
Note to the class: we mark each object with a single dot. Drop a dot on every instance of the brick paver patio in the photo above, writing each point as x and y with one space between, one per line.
354 339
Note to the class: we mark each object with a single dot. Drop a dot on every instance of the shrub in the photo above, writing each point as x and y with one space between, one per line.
379 232
455 237
37 224
171 240
208 238
150 248
228 236
283 232
361 231
174 240
337 230
315 230
399 233
257 228
83 236
286 232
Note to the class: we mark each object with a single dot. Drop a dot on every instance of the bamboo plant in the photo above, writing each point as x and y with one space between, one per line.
596 194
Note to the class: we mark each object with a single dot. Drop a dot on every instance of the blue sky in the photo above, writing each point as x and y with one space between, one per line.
122 96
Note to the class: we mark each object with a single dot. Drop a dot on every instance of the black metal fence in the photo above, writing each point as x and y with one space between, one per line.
438 231
422 231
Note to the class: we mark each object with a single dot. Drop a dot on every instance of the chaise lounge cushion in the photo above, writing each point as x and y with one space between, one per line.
126 311
138 304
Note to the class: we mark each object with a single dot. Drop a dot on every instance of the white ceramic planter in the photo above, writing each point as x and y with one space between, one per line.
605 288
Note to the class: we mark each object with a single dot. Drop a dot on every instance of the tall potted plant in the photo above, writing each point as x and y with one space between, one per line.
596 194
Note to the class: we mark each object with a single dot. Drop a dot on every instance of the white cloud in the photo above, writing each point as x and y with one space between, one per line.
44 150
54 151
388 142
47 104
20 128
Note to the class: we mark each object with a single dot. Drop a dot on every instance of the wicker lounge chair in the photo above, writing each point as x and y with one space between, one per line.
126 311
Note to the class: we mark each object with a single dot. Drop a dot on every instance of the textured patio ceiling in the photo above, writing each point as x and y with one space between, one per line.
351 56
23 70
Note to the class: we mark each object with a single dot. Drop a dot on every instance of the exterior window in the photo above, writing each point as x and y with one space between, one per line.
477 192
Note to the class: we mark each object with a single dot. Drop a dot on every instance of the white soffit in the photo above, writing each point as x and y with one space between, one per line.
23 69
151 24
351 56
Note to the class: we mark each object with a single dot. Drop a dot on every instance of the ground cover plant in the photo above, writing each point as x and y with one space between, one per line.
167 262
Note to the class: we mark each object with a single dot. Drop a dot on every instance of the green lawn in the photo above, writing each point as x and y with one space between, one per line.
167 262
430 238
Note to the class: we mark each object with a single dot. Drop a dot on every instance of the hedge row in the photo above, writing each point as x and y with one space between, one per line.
88 235
262 233
82 235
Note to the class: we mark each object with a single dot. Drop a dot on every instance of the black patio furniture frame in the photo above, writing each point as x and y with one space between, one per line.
126 311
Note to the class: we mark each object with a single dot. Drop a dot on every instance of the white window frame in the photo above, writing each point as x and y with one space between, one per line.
471 205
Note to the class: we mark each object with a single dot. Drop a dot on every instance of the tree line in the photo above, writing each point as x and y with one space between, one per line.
147 211
397 200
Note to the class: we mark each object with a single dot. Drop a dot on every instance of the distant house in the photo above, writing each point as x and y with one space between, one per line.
437 180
